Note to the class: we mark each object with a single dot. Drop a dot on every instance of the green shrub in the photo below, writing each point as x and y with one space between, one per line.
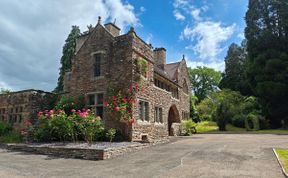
58 126
189 127
67 104
61 127
110 134
222 115
252 122
5 128
11 138
239 120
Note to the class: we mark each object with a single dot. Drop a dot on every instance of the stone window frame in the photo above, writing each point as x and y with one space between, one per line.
143 111
158 115
96 102
185 87
101 62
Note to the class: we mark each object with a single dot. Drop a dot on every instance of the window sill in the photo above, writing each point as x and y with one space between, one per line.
162 89
140 122
159 123
97 78
176 99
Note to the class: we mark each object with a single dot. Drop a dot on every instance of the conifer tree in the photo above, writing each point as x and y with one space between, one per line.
68 51
267 46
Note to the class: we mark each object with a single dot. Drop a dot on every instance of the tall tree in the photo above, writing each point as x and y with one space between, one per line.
204 81
267 70
4 91
234 75
68 51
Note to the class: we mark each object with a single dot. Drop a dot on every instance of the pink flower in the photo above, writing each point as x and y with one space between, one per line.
52 111
47 115
39 114
24 133
73 110
27 123
113 97
106 104
124 99
116 108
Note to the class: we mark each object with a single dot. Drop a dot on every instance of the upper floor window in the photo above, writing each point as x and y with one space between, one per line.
185 87
143 111
158 115
97 64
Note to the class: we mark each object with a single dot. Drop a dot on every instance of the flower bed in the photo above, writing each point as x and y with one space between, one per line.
94 151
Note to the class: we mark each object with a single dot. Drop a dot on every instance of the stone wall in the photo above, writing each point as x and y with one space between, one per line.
17 107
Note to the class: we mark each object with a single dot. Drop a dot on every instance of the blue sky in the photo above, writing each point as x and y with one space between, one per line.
32 33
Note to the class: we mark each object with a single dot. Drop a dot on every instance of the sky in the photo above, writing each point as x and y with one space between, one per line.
32 33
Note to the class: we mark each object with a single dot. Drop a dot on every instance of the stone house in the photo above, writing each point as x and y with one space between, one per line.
106 59
17 107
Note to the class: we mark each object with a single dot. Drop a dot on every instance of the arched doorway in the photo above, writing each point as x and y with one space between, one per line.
173 117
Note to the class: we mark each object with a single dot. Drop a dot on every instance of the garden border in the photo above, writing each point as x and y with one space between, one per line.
82 153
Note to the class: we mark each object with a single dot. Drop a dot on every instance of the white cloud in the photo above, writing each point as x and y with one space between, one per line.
178 15
142 9
180 3
241 36
32 34
207 37
196 14
218 65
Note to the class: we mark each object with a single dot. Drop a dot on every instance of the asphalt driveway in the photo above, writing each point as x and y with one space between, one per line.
203 155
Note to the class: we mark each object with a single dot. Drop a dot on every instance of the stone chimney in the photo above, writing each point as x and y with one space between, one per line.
113 29
160 57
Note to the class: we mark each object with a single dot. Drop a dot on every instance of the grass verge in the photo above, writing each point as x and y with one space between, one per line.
211 127
283 157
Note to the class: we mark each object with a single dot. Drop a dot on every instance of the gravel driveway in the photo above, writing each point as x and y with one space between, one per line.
203 155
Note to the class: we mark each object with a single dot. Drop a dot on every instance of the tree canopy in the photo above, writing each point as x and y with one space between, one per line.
4 91
204 80
234 75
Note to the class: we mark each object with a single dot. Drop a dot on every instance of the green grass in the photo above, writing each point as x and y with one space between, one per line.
283 156
211 127
11 138
206 126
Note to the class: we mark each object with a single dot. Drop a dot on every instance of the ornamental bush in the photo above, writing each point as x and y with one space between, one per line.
252 122
189 127
56 125
239 120
120 103
5 128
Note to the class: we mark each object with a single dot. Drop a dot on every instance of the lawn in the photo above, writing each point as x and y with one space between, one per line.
211 127
283 156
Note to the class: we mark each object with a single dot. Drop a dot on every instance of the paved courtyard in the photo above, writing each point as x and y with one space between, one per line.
203 155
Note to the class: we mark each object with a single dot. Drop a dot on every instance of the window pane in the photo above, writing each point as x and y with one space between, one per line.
160 115
140 111
99 111
91 99
100 98
97 65
146 112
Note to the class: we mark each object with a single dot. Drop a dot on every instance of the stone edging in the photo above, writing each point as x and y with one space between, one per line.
81 153
278 159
